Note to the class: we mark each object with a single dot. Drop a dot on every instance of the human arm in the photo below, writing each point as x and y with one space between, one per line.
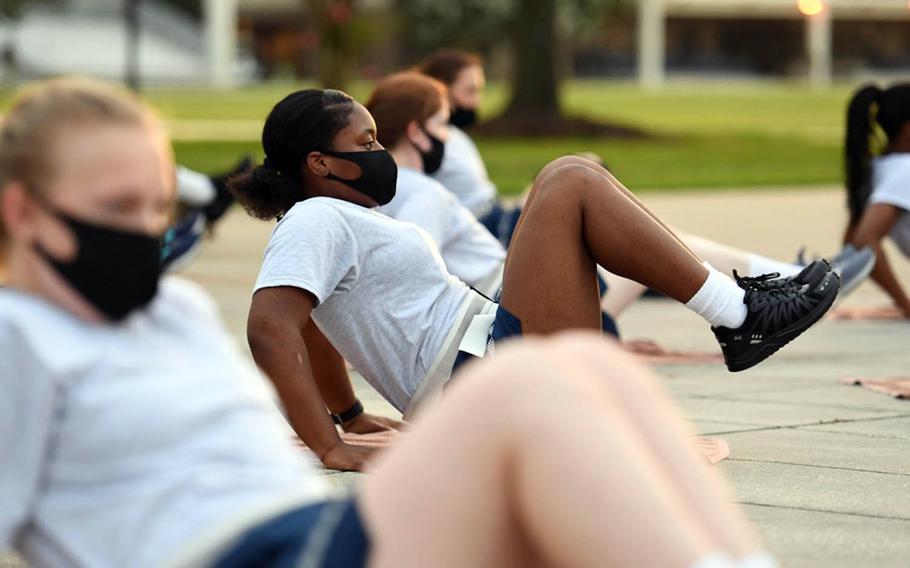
875 223
275 331
334 383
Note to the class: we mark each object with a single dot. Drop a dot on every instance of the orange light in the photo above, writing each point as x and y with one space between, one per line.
810 7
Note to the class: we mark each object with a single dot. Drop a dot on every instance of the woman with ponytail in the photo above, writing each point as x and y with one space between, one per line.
340 280
877 171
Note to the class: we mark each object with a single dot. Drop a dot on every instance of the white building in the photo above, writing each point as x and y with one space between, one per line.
818 17
91 37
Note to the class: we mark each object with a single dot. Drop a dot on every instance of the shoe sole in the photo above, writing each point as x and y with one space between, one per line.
787 335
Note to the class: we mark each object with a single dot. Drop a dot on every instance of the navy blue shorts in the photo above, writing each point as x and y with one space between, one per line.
328 534
505 325
501 222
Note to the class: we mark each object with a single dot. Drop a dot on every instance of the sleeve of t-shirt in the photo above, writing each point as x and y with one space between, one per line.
429 210
27 398
313 249
893 188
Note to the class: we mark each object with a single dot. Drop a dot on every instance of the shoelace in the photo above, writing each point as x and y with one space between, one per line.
772 298
760 282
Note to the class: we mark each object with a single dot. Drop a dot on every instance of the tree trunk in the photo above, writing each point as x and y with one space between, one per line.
336 63
535 86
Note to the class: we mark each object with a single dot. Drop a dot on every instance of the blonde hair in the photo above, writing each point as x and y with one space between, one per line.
40 110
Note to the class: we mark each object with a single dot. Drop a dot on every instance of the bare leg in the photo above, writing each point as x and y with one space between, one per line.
624 292
641 401
532 460
576 218
598 168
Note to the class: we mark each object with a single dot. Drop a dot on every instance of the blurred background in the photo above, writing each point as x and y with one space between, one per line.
674 94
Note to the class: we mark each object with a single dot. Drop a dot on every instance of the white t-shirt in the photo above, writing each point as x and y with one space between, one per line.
120 444
891 185
467 247
386 301
463 173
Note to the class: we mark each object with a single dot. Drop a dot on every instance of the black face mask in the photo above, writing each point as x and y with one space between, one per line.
432 159
114 270
463 118
378 174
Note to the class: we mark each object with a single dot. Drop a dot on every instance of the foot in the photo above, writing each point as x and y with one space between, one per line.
778 310
853 266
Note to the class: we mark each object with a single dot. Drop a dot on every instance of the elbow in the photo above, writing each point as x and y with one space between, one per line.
262 333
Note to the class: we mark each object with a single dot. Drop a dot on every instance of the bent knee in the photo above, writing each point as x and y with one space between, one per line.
569 179
563 161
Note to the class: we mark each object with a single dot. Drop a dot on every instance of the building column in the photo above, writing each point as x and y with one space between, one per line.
651 56
220 22
818 47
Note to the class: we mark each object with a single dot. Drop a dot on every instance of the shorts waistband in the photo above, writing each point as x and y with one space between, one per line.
430 388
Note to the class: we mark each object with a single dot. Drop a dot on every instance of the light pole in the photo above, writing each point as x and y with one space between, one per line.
818 40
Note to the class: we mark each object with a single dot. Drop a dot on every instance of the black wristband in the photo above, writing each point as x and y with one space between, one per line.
349 414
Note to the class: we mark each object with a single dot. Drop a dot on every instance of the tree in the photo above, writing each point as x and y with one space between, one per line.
535 31
535 87
13 9
342 37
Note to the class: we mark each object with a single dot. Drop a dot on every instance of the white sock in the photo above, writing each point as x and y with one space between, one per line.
714 560
719 300
757 560
759 265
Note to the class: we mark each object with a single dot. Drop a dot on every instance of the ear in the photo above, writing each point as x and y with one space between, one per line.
315 162
417 136
15 211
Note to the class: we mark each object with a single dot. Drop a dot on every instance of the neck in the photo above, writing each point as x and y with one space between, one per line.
26 272
406 156
899 146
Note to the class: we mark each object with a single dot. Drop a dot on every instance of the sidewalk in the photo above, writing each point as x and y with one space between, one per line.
823 469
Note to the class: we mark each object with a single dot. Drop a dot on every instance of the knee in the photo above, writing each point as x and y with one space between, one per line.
568 179
521 375
563 161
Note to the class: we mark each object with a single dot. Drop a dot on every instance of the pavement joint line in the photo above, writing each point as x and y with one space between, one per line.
745 398
849 433
727 398
828 511
802 425
819 466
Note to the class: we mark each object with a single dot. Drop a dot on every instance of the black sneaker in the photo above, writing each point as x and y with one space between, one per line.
779 310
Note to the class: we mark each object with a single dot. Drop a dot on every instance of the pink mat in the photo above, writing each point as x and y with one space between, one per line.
866 313
714 449
652 352
898 387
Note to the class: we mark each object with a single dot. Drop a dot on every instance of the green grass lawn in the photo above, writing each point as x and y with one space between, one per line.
710 134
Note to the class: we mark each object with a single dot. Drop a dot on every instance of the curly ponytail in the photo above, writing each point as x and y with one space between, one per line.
264 192
300 123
